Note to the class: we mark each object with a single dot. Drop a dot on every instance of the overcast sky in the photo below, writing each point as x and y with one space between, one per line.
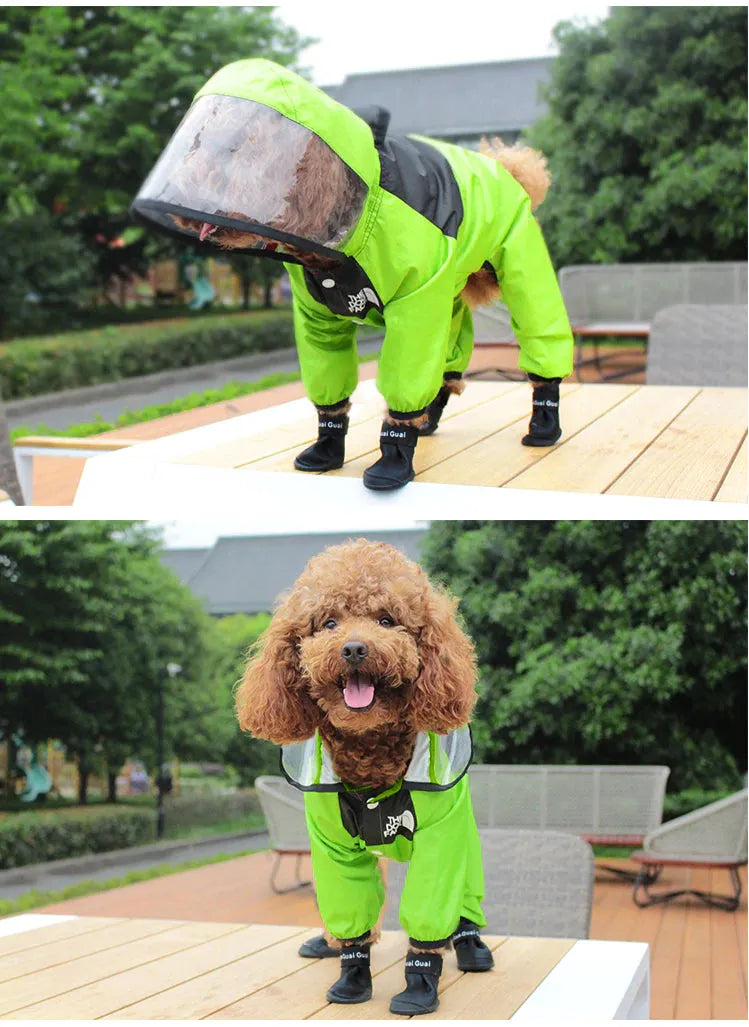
358 37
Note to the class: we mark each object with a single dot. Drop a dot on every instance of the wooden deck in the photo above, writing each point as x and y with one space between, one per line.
56 478
698 955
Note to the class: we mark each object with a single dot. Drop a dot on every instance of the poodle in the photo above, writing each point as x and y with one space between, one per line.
366 678
404 233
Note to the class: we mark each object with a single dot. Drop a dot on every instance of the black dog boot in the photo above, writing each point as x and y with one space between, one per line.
355 983
326 454
318 948
544 428
434 411
395 467
422 977
473 955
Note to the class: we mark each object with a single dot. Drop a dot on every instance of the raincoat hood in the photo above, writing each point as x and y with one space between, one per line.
267 159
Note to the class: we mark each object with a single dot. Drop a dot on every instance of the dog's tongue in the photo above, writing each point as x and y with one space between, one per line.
206 230
358 693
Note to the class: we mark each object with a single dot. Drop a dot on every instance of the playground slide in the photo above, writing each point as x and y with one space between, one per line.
38 782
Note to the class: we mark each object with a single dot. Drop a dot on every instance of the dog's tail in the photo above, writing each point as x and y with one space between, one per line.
529 168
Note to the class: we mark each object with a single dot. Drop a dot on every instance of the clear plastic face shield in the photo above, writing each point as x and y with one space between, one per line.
241 176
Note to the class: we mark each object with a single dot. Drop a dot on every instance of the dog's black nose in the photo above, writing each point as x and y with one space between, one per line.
354 652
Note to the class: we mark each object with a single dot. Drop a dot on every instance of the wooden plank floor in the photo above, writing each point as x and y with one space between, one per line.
180 970
698 954
633 440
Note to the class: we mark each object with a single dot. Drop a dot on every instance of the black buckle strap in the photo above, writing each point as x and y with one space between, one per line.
355 955
403 435
330 424
465 932
424 963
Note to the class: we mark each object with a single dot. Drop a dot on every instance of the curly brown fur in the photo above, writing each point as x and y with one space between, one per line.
422 666
528 167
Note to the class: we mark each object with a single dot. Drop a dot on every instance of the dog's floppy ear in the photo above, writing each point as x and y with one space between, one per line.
444 694
271 699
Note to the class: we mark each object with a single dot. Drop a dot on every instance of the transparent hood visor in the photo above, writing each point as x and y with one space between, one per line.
242 176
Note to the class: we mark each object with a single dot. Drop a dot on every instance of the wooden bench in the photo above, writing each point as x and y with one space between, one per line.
605 300
605 805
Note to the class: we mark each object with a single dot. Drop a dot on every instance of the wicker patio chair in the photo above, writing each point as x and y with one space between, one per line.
283 809
698 344
537 884
714 836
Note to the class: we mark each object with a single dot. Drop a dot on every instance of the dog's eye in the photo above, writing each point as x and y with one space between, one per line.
330 624
387 622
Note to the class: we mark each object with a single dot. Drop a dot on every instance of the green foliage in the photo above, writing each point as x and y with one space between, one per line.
679 803
605 642
90 97
235 636
89 620
33 367
646 136
188 811
36 291
27 838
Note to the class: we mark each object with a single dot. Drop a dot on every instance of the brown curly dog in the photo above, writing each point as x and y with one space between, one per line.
365 650
366 678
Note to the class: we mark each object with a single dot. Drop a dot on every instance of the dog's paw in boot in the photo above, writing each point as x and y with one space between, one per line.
473 955
355 983
318 948
544 428
395 468
327 452
434 411
423 971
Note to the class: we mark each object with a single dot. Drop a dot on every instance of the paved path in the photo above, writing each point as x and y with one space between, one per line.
103 866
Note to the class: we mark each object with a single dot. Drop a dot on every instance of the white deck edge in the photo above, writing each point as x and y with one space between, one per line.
30 922
594 981
140 487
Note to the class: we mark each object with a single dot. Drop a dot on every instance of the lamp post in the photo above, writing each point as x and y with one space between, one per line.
172 670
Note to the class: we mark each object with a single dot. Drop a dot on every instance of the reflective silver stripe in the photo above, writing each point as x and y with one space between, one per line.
308 763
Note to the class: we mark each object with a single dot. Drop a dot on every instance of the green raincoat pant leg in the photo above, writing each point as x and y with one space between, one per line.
444 879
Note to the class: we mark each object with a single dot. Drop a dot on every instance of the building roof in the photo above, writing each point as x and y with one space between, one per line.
246 574
457 101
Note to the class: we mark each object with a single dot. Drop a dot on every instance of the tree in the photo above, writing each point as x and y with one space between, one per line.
605 642
89 620
234 636
98 91
646 137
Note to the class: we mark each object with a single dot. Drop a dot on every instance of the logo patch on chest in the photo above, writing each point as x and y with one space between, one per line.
405 820
358 302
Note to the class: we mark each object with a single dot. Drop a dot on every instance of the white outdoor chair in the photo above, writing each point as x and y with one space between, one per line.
283 809
699 344
714 836
537 884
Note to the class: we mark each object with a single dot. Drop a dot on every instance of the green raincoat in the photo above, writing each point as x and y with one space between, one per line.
426 819
432 213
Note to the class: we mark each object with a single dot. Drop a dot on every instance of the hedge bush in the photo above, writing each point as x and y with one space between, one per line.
27 838
209 808
31 367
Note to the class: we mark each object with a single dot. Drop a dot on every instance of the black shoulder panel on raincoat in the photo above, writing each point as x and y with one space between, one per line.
422 177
